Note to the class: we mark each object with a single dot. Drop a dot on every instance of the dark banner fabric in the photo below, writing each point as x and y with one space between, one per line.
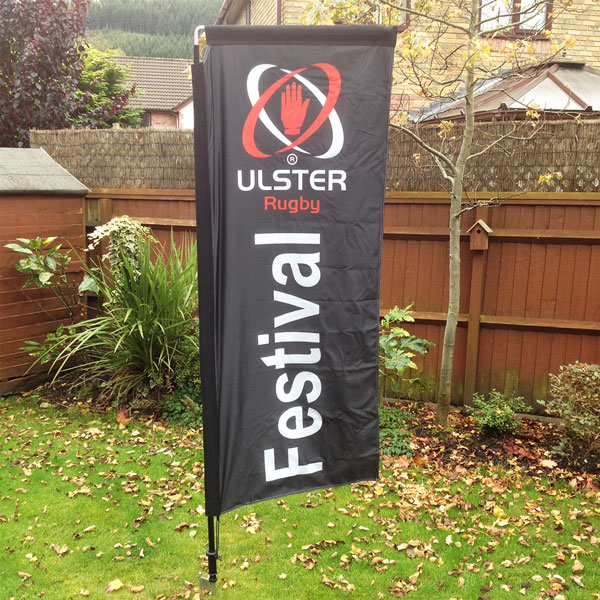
292 152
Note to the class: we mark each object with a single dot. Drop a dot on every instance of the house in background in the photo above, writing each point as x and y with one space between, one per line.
562 89
165 90
581 21
262 12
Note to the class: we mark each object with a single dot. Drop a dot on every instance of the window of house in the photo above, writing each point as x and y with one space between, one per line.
528 16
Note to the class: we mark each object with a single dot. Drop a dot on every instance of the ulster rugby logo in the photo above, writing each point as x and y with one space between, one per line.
293 96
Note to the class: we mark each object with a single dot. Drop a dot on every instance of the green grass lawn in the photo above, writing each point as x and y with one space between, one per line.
85 501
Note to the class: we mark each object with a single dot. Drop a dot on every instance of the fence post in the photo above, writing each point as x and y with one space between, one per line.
478 245
106 215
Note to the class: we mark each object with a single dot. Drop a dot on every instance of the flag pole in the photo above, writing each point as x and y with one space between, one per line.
206 316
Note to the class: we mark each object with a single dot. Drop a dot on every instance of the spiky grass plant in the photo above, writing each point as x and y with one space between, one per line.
144 327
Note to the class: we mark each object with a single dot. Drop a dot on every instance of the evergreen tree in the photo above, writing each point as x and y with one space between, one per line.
104 94
153 16
142 44
149 27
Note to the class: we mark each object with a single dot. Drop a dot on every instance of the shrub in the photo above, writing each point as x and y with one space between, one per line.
395 442
131 351
496 414
126 240
575 398
397 348
392 417
187 362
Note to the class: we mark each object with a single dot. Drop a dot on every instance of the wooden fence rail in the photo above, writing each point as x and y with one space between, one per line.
530 302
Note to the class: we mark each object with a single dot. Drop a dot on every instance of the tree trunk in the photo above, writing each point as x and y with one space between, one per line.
444 395
445 382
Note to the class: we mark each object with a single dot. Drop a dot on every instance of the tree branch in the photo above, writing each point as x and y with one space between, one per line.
417 13
436 153
494 143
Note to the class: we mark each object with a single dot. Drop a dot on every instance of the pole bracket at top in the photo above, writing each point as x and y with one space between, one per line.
198 33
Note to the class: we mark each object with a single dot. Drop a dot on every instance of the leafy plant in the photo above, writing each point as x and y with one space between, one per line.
126 239
104 94
49 266
187 363
131 350
41 57
575 398
49 350
393 437
496 413
397 348
396 442
183 407
392 417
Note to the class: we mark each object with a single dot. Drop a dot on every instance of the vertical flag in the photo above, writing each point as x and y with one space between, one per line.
291 145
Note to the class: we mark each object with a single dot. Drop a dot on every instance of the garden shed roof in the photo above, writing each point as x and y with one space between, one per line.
33 171
563 86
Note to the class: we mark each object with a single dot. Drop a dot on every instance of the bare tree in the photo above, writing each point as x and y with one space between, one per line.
445 51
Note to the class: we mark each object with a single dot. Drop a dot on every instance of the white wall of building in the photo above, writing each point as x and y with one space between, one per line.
186 116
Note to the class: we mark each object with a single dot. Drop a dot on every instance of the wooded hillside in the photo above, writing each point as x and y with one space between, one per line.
149 27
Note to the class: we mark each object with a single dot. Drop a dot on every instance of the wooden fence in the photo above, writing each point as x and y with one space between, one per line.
529 303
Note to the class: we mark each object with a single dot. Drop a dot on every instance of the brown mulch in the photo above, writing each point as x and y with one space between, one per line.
533 447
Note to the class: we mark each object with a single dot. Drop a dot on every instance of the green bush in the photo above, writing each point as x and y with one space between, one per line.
126 240
392 417
395 442
187 363
131 351
496 413
575 398
397 348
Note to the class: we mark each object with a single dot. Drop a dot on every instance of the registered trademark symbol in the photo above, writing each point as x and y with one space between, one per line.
292 159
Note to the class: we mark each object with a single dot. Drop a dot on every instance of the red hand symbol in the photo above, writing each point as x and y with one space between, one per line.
293 110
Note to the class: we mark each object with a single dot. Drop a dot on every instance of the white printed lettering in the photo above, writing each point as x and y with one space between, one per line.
294 261
297 388
294 468
299 431
306 308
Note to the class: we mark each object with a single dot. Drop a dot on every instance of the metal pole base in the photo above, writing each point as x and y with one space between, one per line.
207 587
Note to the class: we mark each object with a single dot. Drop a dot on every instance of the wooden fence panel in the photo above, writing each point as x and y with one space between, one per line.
529 304
31 313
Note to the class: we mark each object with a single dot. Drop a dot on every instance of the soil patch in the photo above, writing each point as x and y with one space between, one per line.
533 447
